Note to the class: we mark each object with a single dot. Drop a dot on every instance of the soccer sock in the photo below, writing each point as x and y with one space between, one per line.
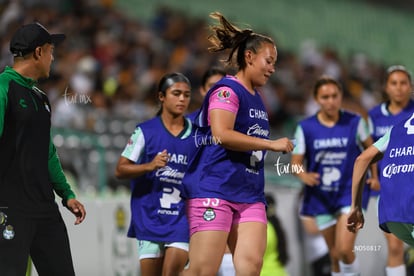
396 270
350 269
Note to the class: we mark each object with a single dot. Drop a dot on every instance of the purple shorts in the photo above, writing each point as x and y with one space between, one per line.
213 214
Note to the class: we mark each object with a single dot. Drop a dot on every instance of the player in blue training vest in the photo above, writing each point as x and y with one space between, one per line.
229 165
156 158
382 117
225 183
210 77
329 142
396 208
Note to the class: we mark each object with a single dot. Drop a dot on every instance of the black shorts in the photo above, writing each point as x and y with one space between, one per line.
45 240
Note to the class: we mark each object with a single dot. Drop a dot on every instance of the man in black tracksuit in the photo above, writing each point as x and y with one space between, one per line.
30 171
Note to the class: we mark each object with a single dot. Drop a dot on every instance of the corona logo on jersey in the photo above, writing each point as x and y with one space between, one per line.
393 169
401 152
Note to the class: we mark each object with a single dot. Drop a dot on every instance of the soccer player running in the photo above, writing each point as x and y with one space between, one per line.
225 181
155 159
395 208
382 117
210 77
329 142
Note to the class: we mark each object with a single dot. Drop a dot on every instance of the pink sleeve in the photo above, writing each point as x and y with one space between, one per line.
223 98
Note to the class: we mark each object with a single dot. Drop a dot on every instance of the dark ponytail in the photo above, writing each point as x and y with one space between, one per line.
228 36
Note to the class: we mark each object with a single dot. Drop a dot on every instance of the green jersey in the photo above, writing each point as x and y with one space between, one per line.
30 171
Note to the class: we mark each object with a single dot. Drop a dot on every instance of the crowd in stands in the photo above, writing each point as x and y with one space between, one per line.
109 64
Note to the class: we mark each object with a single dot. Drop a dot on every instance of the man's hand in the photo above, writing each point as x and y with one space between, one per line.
77 209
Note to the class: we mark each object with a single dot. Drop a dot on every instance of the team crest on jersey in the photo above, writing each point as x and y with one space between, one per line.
223 94
130 142
209 214
22 103
8 232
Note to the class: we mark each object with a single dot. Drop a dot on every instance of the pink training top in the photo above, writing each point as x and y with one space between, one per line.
223 98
